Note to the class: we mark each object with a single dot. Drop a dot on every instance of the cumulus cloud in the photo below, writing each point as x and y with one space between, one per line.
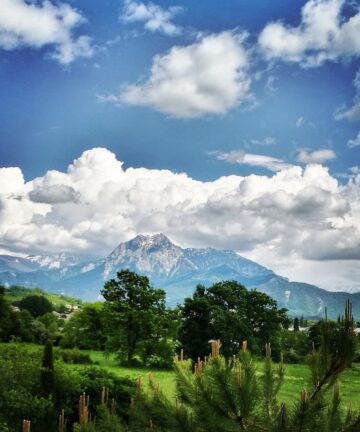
207 77
155 18
11 180
24 24
243 158
354 142
323 34
295 214
306 156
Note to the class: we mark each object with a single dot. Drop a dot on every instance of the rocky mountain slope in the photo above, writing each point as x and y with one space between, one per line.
175 269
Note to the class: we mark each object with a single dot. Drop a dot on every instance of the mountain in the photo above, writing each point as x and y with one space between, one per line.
175 269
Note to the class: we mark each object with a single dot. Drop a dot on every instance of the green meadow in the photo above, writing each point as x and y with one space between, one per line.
296 378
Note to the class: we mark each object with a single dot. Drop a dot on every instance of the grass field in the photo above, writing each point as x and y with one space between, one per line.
297 377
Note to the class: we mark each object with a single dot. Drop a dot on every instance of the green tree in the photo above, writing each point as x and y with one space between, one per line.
295 346
195 331
85 328
228 311
135 313
47 370
37 305
6 317
296 324
51 324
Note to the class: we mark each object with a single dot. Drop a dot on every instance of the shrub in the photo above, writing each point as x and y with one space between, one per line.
22 395
73 356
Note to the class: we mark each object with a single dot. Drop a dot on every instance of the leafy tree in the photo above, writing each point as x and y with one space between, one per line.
6 317
47 370
85 329
228 311
295 346
195 331
296 324
51 324
135 313
37 305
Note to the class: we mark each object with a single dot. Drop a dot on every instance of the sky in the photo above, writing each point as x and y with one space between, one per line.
221 124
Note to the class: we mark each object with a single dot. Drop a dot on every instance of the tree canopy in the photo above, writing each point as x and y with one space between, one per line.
230 312
135 313
37 305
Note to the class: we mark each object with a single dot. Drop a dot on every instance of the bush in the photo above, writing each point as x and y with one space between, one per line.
295 346
22 395
160 355
73 356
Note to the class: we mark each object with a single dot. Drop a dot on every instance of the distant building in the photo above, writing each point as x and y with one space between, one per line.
70 308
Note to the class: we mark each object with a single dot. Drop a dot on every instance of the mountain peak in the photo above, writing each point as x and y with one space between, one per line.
142 240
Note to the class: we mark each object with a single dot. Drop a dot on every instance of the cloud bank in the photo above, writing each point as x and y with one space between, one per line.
24 24
296 215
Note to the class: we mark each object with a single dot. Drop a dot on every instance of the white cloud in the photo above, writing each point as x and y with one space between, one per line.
352 113
24 24
355 170
207 77
354 142
293 216
243 158
155 18
323 34
11 180
267 141
299 121
306 156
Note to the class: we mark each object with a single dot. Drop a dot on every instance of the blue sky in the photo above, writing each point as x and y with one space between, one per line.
50 112
198 87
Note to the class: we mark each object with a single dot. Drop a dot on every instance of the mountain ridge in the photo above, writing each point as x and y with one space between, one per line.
175 269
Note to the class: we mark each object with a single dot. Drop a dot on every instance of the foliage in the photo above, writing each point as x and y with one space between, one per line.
85 328
73 356
47 376
22 392
6 317
136 317
37 305
295 346
20 389
228 311
16 293
296 324
230 396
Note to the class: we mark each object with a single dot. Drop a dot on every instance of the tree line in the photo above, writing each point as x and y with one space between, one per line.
134 323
